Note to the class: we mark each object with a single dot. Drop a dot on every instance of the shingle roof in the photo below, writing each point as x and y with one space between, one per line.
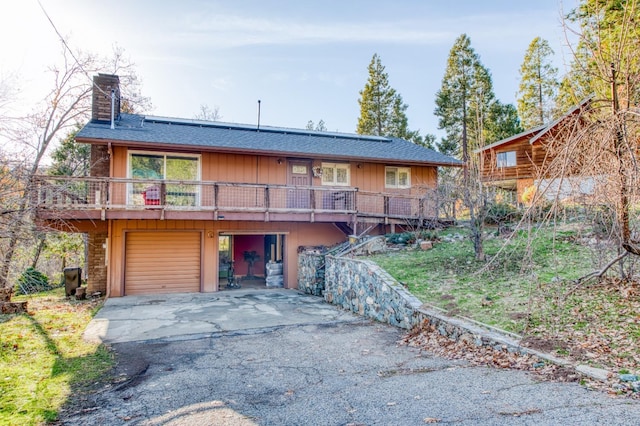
170 132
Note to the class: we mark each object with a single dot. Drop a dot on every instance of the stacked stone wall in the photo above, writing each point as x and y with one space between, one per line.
311 274
363 287
97 269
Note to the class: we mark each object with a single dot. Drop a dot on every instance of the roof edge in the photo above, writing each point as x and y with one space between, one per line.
555 122
511 138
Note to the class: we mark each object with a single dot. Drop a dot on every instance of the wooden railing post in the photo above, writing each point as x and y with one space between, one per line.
312 199
354 205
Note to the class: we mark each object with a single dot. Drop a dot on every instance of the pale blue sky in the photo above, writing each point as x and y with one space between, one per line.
305 60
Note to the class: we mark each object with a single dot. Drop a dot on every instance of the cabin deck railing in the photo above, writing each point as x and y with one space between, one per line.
52 193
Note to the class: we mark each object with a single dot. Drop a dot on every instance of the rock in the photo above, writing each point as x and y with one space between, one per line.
81 293
595 373
628 378
426 245
635 386
539 364
13 307
5 294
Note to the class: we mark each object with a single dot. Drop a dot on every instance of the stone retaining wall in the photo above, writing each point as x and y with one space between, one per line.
311 273
363 287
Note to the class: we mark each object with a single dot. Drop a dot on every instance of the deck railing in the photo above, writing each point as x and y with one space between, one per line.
91 193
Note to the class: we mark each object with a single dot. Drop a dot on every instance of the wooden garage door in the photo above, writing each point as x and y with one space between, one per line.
162 262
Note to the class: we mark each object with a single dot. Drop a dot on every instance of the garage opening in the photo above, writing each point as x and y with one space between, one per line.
250 261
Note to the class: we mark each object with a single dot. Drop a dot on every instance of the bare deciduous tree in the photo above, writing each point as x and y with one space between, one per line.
67 104
593 155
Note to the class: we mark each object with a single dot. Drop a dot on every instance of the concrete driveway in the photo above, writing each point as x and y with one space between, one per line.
191 315
283 358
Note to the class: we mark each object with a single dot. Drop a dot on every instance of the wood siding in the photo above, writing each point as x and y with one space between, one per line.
238 168
296 234
526 162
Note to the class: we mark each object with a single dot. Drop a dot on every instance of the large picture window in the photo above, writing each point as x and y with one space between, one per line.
506 159
164 167
397 177
335 174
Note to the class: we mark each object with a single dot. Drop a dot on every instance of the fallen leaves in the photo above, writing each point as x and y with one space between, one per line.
428 338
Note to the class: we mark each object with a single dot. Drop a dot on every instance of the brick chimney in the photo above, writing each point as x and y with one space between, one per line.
103 84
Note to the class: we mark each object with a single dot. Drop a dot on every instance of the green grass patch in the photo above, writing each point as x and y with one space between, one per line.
43 358
498 292
530 289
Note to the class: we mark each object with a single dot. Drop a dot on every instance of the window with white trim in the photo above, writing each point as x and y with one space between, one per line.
397 177
506 159
158 166
335 174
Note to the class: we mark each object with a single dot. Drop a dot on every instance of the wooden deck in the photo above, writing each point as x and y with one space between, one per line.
89 198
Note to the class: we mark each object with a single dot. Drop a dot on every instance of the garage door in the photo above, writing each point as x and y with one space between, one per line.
162 262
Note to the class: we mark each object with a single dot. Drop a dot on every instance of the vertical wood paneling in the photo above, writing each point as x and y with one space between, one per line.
162 262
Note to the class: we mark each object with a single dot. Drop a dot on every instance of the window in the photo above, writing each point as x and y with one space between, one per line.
335 174
506 159
397 177
170 167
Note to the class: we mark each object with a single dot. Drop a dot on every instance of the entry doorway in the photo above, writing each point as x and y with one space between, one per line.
250 260
299 174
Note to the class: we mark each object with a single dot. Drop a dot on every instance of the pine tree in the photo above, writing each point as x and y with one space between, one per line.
464 104
608 39
538 85
382 110
464 100
71 158
503 122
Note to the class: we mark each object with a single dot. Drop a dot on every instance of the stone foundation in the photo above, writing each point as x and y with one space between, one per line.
96 258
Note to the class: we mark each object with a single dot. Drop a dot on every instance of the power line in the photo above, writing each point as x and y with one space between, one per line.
64 43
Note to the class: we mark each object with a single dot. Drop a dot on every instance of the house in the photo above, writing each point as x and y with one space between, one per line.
520 161
170 203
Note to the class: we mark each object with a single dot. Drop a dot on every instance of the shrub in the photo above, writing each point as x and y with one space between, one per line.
428 235
32 281
500 213
401 238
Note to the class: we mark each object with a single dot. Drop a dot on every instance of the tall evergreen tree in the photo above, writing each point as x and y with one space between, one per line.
503 122
608 40
71 158
464 100
382 110
538 85
463 105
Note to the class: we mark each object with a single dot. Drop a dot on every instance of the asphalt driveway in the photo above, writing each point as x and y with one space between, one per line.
327 368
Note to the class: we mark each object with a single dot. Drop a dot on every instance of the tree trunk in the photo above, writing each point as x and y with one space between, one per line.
6 261
39 247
